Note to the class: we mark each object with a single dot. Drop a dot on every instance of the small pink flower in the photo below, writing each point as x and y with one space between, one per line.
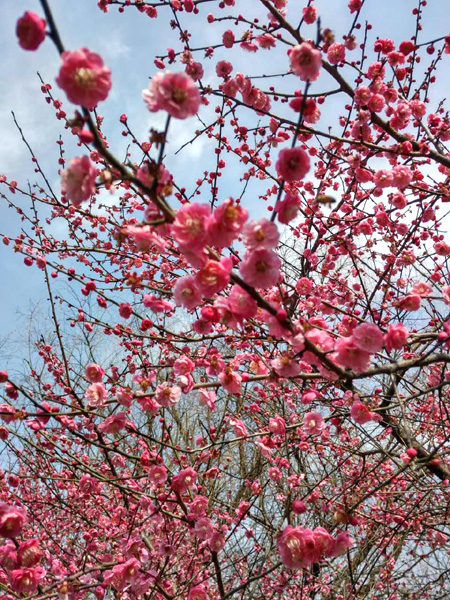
167 395
183 480
410 303
305 61
286 366
313 423
207 398
324 541
84 78
87 485
78 180
226 223
260 234
12 520
396 337
343 542
288 208
26 581
186 292
350 356
361 414
383 178
197 593
204 528
157 475
277 425
228 38
260 268
446 294
114 423
240 430
422 288
30 30
293 164
241 303
214 276
223 68
157 304
122 575
145 238
176 93
402 176
336 54
190 226
368 337
94 373
309 14
96 395
297 547
231 381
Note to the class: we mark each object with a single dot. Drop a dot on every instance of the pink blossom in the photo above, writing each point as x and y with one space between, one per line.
410 303
183 480
361 414
203 528
167 395
383 178
12 520
343 542
8 556
94 373
7 413
442 248
145 238
226 223
183 365
198 592
445 295
241 303
422 288
96 395
214 276
293 164
260 234
240 430
288 208
313 423
207 398
297 547
30 30
260 268
157 304
286 366
87 485
324 541
114 423
186 292
396 337
84 78
336 54
78 180
157 475
368 337
305 61
402 176
176 93
350 356
26 581
228 38
122 575
231 381
190 226
223 68
309 14
277 425
195 70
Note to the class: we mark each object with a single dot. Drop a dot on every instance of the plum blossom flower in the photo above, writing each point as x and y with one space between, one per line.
29 553
239 428
12 520
26 581
114 423
183 480
176 93
231 381
186 292
313 423
207 398
198 592
260 268
226 223
190 226
94 373
293 164
361 414
157 474
410 303
30 30
297 547
260 234
203 528
286 366
368 337
123 574
78 180
306 61
157 304
396 337
288 208
84 77
336 54
167 395
96 395
350 356
214 276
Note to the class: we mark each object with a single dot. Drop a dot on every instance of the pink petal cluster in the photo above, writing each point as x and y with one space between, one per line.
94 373
300 547
361 414
30 30
96 395
260 234
186 292
167 395
396 337
84 78
176 93
293 164
313 423
12 520
306 61
260 268
226 223
78 180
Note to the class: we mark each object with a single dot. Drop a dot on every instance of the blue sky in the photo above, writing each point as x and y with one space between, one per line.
128 43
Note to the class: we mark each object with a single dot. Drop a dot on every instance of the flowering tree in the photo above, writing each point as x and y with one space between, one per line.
243 391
